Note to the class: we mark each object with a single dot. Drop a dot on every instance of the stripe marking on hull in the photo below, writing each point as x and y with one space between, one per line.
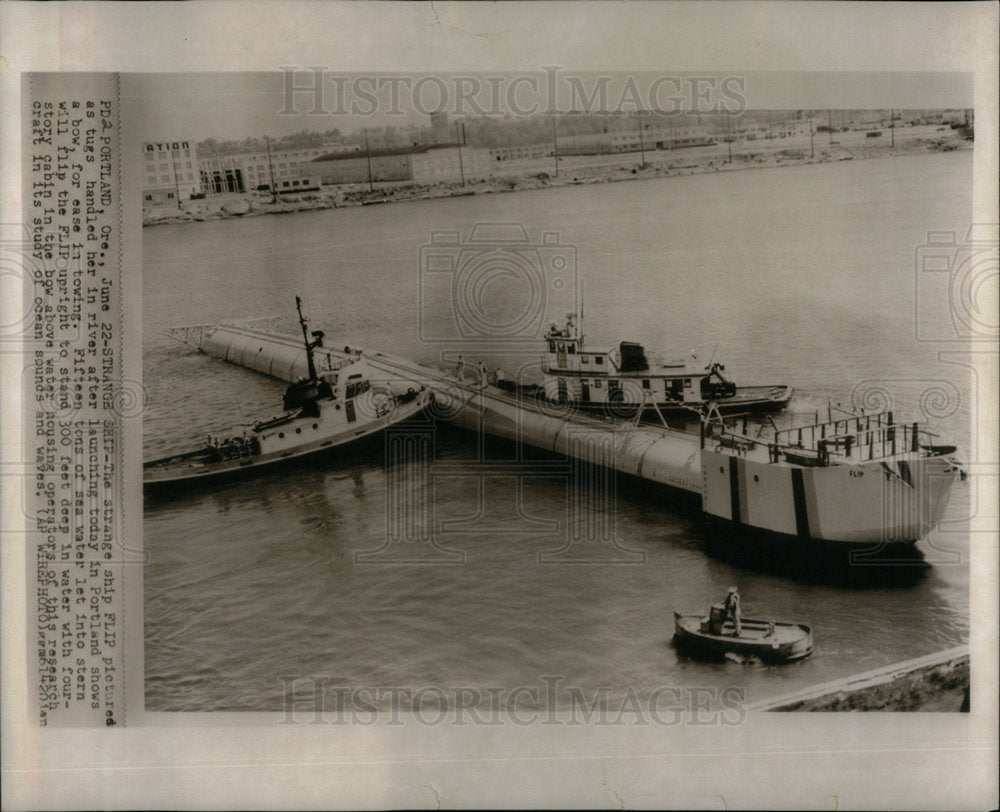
734 491
799 500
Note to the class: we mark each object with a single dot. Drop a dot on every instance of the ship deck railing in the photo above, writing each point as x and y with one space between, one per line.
859 438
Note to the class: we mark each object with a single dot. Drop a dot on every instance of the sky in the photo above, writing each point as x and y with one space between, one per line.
233 106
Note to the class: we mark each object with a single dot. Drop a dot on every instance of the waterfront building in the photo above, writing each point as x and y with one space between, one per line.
420 164
607 143
380 165
171 173
447 164
520 152
222 174
626 137
440 129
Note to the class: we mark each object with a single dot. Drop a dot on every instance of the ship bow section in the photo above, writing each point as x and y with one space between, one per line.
887 501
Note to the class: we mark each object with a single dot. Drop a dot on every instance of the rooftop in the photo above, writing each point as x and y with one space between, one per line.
383 152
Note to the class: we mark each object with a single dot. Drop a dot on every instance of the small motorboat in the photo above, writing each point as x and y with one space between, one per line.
767 640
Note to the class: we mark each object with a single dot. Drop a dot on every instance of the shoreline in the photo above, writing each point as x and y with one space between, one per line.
935 683
659 165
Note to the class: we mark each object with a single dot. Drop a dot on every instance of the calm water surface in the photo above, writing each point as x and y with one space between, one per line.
802 275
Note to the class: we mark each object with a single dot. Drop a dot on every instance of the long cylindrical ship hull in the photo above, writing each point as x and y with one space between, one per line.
894 499
666 456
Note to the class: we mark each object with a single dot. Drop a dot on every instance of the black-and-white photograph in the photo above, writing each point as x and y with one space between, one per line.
499 405
576 396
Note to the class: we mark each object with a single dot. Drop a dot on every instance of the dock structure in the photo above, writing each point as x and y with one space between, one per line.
864 481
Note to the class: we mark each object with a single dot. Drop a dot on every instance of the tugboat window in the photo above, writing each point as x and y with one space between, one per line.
598 359
645 383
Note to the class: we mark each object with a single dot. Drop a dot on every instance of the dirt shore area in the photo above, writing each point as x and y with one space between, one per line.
937 683
600 169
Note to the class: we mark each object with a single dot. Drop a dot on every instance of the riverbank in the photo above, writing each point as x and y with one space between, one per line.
608 169
939 682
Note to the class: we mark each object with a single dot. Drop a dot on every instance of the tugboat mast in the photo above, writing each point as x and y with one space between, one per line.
305 337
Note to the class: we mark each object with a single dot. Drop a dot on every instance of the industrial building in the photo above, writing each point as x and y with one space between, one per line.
171 173
176 173
521 152
630 139
420 164
222 174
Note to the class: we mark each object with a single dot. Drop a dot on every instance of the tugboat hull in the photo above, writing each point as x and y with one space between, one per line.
770 641
200 464
748 399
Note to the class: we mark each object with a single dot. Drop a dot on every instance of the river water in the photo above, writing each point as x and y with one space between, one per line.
804 275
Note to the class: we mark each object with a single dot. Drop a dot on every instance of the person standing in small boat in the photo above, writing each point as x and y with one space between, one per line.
732 609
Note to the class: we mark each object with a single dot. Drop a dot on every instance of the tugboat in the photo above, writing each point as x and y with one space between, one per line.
862 483
724 633
623 379
322 412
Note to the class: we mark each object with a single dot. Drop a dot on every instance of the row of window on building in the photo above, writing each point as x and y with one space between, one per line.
174 172
174 167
